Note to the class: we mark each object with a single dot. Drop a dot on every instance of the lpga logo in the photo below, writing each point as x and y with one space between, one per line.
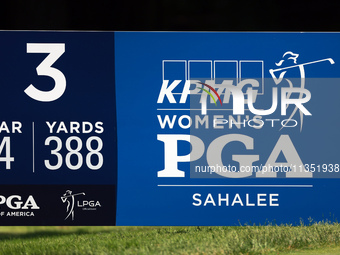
301 67
69 198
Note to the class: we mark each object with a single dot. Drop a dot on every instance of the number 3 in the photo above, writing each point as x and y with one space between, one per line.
55 50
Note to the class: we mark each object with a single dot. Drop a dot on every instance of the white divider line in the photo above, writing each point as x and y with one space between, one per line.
33 145
255 186
181 109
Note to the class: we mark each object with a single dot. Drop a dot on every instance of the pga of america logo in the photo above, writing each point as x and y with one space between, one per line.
227 88
18 206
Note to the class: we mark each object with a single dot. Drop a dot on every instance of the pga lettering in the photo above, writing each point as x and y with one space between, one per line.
214 158
91 203
15 202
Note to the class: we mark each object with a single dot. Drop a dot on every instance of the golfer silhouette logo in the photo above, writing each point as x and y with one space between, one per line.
288 57
68 198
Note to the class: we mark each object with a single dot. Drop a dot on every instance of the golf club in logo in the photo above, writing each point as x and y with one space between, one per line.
69 198
282 71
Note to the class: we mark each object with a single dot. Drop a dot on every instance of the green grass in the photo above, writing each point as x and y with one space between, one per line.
320 251
315 239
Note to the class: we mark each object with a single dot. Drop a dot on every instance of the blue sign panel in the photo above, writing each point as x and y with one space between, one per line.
169 128
227 128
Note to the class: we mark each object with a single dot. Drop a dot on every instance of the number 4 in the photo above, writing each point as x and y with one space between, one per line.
6 141
45 68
